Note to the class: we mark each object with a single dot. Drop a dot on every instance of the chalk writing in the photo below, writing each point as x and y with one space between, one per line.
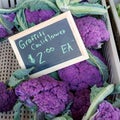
41 38
66 48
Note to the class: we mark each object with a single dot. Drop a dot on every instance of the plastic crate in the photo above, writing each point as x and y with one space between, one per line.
8 62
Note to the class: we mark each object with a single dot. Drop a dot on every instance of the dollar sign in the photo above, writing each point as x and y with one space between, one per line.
31 59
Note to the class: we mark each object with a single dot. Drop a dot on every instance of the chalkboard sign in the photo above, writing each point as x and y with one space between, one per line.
49 46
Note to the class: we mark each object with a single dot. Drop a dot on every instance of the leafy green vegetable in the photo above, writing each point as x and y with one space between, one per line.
74 1
79 9
2 39
53 1
118 9
67 109
94 91
16 109
8 25
49 116
66 2
105 84
10 10
98 99
116 89
92 117
35 115
63 5
37 4
98 63
20 20
30 106
18 76
64 117
55 75
116 103
22 73
94 1
38 116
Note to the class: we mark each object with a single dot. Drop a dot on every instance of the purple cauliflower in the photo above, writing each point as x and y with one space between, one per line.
7 98
93 31
3 31
98 53
46 14
107 112
50 96
82 75
38 16
81 103
10 17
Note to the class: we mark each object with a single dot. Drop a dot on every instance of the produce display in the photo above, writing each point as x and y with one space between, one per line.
81 103
80 75
107 111
88 26
50 96
81 91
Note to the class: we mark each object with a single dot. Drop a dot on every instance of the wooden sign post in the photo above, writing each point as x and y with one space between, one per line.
49 46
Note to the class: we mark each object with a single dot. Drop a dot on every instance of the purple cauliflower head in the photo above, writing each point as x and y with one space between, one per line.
3 31
7 98
107 112
10 17
46 14
82 75
98 53
81 103
50 96
93 31
38 16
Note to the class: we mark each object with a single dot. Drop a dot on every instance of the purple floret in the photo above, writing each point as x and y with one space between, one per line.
107 112
93 31
3 31
32 16
38 16
49 95
98 53
7 98
10 17
46 14
81 103
82 75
